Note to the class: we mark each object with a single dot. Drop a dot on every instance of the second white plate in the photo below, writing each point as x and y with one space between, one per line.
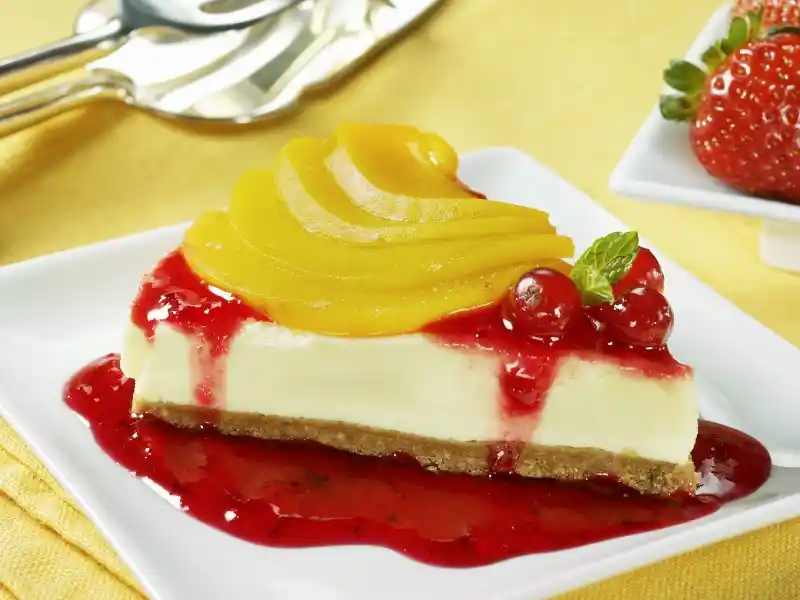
659 166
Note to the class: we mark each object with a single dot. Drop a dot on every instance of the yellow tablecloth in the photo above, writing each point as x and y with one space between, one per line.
569 82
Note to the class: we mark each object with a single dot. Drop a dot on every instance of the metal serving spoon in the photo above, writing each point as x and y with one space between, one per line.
131 15
233 76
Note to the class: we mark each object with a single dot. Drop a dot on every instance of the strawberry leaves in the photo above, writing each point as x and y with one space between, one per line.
688 78
683 76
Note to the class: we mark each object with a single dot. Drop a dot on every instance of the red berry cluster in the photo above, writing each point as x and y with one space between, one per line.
544 302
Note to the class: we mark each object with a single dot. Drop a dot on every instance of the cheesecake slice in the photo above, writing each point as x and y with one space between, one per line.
359 296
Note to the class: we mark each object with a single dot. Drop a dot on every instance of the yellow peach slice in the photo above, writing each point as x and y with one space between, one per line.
423 165
217 254
316 201
370 233
300 169
382 170
261 217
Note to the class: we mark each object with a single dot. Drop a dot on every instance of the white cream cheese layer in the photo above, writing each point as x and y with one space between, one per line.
414 385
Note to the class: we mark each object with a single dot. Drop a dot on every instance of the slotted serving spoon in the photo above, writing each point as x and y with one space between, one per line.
232 76
131 15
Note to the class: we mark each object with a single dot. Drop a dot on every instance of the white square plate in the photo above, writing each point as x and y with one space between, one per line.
659 164
61 311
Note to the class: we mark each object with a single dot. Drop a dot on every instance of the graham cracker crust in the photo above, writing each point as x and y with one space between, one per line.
558 462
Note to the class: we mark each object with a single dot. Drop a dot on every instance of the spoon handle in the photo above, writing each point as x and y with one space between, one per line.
59 57
54 100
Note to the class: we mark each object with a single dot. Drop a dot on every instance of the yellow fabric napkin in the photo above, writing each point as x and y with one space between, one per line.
569 82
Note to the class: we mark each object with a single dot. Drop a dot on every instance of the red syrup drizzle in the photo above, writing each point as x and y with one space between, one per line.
299 494
174 294
529 366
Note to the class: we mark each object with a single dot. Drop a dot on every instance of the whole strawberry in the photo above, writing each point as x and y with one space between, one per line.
775 12
744 111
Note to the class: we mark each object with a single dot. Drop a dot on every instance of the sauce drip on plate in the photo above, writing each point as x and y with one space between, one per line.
300 495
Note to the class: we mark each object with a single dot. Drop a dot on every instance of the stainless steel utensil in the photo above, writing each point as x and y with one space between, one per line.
233 76
131 15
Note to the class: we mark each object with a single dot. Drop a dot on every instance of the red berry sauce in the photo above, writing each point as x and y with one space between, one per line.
299 495
173 294
529 365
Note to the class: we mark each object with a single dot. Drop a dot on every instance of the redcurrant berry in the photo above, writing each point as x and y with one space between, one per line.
645 272
640 317
542 303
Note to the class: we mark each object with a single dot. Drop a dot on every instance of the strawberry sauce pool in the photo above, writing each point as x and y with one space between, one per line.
298 495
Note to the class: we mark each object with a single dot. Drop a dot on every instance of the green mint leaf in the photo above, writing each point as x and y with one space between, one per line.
594 286
611 254
603 264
